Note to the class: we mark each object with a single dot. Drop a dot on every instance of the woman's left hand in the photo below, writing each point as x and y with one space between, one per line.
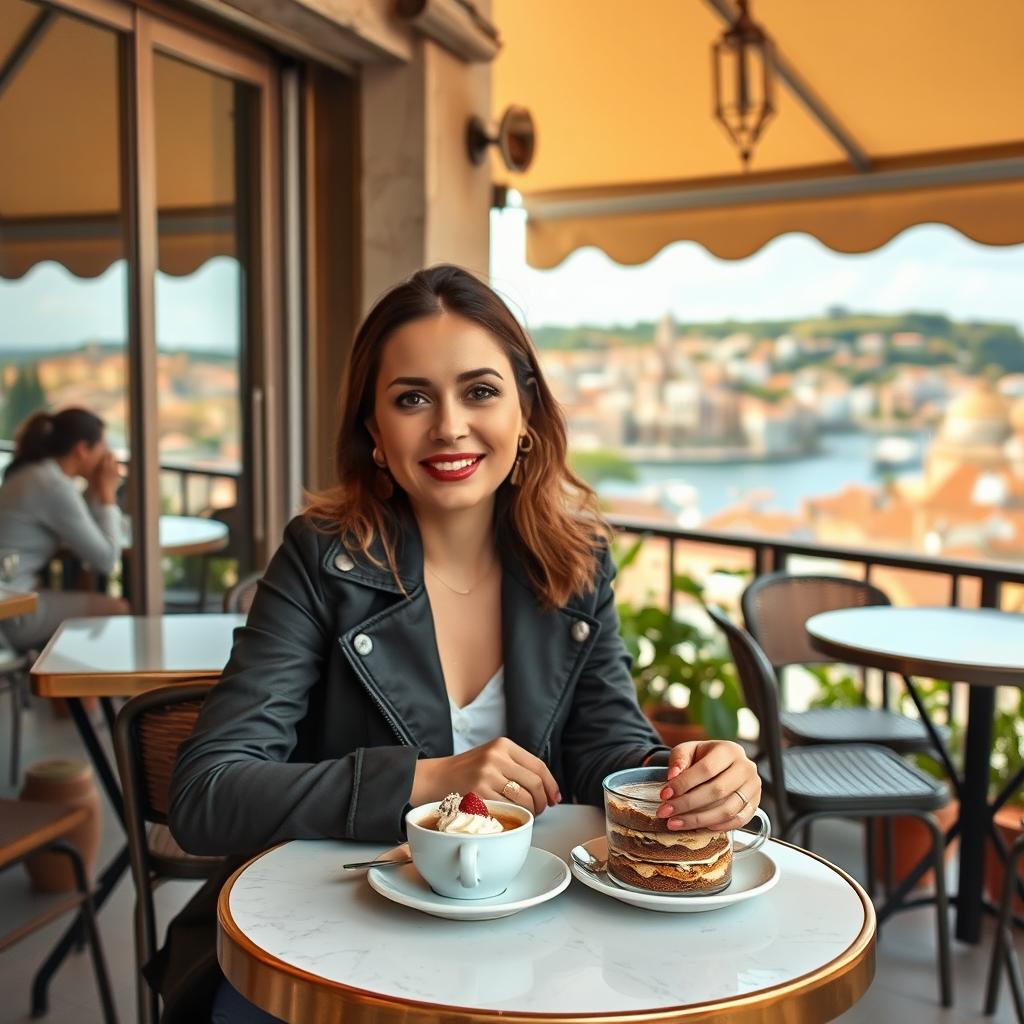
711 784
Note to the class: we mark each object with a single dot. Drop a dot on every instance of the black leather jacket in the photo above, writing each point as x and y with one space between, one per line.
334 689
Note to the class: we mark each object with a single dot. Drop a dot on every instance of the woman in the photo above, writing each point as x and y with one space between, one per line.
441 621
42 511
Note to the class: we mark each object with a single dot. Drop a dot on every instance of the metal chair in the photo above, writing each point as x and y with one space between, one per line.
14 668
239 598
148 731
775 608
1003 953
838 780
27 828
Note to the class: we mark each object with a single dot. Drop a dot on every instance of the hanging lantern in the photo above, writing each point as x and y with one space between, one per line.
744 72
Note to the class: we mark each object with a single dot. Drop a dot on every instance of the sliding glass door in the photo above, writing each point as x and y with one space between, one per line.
138 255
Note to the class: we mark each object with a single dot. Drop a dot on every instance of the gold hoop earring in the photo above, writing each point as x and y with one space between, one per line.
383 485
518 471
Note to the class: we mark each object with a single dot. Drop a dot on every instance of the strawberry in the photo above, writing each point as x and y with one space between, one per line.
472 804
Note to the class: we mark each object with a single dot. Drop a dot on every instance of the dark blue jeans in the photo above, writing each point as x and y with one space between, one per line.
230 1007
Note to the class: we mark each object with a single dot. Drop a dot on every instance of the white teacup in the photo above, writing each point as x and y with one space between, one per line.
469 867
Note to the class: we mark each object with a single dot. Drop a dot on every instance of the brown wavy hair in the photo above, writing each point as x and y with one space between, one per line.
47 435
550 522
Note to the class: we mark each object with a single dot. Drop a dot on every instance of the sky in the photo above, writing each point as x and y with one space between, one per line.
51 308
929 268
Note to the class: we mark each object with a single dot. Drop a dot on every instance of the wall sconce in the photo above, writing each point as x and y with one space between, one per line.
743 69
516 139
456 24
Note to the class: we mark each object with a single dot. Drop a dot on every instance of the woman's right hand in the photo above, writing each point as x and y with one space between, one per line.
105 478
486 770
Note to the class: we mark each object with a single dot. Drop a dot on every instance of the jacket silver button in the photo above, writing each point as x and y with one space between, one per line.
580 631
344 562
363 644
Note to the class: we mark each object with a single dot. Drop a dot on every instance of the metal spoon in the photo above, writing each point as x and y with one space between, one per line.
386 863
382 859
586 860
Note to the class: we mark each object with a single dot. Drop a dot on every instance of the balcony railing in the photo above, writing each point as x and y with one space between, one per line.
770 554
190 488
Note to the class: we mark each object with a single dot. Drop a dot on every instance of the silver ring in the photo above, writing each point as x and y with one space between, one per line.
739 793
511 789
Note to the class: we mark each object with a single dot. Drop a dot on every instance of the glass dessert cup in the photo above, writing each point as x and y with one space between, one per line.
646 856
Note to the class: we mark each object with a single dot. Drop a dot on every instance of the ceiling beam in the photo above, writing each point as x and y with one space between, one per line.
800 89
24 47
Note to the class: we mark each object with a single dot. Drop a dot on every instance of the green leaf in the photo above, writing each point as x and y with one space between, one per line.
688 585
624 559
719 719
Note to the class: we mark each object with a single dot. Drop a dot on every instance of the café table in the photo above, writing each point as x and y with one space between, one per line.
178 535
16 602
308 941
979 646
121 656
191 535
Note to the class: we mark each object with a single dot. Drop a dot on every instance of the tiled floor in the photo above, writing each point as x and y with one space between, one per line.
904 990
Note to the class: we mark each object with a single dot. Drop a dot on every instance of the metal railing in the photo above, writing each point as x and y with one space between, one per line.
185 474
771 554
768 553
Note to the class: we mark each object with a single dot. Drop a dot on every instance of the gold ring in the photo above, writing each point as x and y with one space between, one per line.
739 793
511 789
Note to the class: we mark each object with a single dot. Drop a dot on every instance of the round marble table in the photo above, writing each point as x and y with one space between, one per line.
185 535
191 535
980 646
310 942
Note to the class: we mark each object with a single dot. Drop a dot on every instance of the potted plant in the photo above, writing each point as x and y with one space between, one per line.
685 682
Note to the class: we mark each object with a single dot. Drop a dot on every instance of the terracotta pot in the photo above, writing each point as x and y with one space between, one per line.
70 782
1007 820
911 842
674 726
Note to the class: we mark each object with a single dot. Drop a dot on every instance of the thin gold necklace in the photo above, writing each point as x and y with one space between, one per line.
454 590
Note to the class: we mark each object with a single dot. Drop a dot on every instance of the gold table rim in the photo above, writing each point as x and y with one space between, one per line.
278 987
15 603
113 684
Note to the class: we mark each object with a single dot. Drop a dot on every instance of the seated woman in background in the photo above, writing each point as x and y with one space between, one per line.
42 511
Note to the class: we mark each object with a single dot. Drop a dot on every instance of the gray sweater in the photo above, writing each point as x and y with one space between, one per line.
42 510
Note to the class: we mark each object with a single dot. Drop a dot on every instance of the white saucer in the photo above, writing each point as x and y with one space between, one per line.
752 875
543 877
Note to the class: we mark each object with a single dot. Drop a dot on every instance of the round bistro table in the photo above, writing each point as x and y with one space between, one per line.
310 942
980 646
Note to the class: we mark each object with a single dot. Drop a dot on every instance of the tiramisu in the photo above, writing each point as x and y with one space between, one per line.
642 852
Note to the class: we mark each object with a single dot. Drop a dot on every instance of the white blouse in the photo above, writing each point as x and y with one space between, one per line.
483 718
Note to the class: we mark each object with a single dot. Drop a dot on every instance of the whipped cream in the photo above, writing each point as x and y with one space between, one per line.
451 819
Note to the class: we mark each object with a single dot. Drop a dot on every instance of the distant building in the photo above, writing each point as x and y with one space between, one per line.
974 431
